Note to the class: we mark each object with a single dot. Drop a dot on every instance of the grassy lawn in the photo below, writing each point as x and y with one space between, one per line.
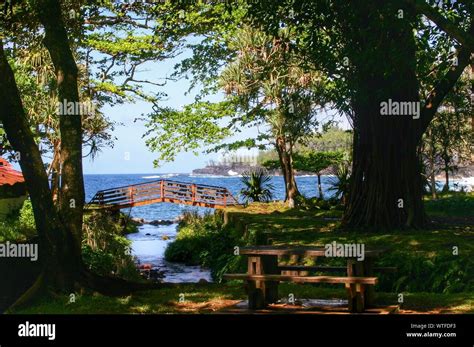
209 298
422 256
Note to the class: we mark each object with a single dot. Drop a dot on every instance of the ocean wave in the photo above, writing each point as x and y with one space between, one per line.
212 176
161 176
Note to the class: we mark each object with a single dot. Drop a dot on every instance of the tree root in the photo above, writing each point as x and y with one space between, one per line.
34 292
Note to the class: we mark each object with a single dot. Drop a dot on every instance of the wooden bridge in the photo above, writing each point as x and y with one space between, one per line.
163 191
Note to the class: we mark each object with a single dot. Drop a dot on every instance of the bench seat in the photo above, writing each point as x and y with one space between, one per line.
330 268
303 279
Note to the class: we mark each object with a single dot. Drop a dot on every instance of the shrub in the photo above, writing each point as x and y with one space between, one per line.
442 273
203 240
20 226
27 217
341 182
317 203
105 250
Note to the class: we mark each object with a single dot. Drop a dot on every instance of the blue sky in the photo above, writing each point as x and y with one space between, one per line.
130 154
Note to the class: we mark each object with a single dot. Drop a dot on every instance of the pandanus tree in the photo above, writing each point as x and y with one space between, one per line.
267 86
271 88
36 81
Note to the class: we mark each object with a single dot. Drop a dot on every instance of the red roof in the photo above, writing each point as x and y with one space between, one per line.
8 175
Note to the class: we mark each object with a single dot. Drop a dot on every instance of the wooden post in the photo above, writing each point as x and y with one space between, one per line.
162 190
356 292
363 268
262 293
193 193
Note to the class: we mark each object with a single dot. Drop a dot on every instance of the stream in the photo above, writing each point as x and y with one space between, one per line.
149 245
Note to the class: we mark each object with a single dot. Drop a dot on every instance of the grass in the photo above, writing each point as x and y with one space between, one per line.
209 298
451 205
198 298
284 226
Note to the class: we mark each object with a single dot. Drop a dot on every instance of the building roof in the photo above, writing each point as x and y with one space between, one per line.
8 175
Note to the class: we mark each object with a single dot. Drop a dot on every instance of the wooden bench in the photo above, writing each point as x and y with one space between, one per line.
355 286
264 274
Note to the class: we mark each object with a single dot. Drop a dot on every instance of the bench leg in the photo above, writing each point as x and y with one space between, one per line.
355 295
363 268
255 296
262 293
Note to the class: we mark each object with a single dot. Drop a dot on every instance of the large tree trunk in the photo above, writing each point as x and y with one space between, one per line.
284 151
56 244
55 181
386 188
432 161
72 194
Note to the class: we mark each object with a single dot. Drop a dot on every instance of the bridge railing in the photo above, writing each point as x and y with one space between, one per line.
164 191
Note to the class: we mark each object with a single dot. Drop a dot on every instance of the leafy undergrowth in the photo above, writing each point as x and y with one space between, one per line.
451 205
19 227
210 298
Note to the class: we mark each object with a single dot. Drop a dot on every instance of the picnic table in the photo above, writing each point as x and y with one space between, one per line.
264 274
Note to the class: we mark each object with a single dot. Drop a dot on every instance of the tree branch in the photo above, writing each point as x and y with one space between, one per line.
442 88
464 38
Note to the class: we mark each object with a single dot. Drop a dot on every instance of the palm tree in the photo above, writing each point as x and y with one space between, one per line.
340 184
257 187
